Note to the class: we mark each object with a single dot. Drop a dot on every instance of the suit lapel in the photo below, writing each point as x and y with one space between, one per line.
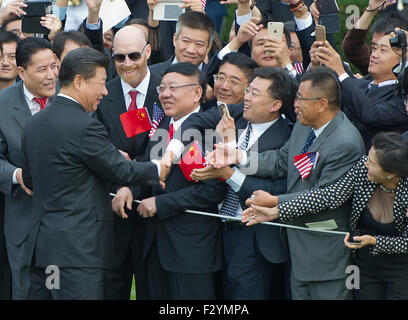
21 111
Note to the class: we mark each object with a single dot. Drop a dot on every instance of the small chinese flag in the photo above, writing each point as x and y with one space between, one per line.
192 159
135 122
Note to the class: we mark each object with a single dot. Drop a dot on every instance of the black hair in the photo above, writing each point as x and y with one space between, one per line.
391 150
28 47
7 37
243 62
62 37
325 80
283 86
196 20
82 61
4 26
387 22
188 69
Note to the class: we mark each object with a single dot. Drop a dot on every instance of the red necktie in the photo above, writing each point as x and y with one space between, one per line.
171 133
132 105
41 101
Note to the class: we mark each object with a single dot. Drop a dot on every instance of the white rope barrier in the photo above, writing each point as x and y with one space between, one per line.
220 216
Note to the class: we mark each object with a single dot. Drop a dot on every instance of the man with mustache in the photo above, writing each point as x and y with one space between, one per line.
135 88
38 69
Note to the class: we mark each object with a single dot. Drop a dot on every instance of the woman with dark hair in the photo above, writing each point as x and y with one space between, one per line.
378 187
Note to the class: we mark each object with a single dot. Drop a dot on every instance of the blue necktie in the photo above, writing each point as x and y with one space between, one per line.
230 205
311 137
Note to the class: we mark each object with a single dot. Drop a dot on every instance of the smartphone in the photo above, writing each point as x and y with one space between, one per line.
275 30
320 33
223 109
168 10
327 6
31 21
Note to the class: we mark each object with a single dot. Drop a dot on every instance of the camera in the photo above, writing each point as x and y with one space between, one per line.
400 40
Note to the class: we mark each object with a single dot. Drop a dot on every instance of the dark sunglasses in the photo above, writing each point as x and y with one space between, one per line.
134 56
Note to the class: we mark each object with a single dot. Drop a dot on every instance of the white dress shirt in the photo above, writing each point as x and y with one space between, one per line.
141 88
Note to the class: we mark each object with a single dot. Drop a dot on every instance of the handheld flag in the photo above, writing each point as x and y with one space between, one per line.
135 122
192 159
158 115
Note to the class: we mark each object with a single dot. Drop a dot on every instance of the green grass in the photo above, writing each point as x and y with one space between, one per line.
133 291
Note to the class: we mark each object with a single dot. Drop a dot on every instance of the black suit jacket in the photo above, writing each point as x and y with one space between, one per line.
187 243
70 162
159 68
267 237
109 110
374 110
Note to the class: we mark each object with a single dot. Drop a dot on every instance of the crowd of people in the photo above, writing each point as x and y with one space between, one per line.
91 121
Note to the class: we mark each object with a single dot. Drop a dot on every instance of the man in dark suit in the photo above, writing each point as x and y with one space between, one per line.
183 250
372 105
192 41
134 78
69 158
254 257
318 260
38 68
5 272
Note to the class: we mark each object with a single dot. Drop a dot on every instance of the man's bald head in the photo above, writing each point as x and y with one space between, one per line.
130 53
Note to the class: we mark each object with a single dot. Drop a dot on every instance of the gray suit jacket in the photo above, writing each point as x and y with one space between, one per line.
317 256
14 115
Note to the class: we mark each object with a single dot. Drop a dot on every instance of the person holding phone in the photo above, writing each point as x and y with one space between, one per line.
378 187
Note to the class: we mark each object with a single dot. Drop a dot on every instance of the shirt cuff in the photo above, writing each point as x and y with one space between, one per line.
343 76
224 51
15 177
60 12
237 180
176 146
93 26
302 24
242 19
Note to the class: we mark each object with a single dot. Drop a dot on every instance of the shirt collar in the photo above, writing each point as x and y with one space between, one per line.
141 88
67 97
179 122
320 130
382 84
262 127
175 61
29 96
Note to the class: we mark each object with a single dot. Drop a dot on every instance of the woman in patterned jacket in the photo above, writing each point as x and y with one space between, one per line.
378 187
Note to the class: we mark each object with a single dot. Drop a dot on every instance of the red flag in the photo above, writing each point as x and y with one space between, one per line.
135 122
192 159
305 162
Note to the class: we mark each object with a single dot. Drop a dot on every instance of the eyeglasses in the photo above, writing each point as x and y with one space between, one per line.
162 89
134 56
307 99
221 80
251 92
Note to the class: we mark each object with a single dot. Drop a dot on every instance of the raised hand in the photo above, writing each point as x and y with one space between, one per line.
226 129
51 22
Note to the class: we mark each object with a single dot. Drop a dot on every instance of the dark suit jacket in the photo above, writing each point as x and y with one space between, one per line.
108 112
70 161
159 68
187 243
268 238
375 110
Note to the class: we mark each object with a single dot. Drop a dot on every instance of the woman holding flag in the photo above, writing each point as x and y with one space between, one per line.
378 187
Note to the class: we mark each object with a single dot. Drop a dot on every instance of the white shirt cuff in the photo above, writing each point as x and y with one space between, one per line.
15 177
242 19
224 51
237 180
343 76
176 147
302 24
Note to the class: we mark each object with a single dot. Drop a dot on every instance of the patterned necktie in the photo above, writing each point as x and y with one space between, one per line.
41 101
171 133
132 105
309 141
230 205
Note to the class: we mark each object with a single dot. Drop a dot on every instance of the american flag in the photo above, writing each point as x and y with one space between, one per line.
158 115
305 162
204 2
